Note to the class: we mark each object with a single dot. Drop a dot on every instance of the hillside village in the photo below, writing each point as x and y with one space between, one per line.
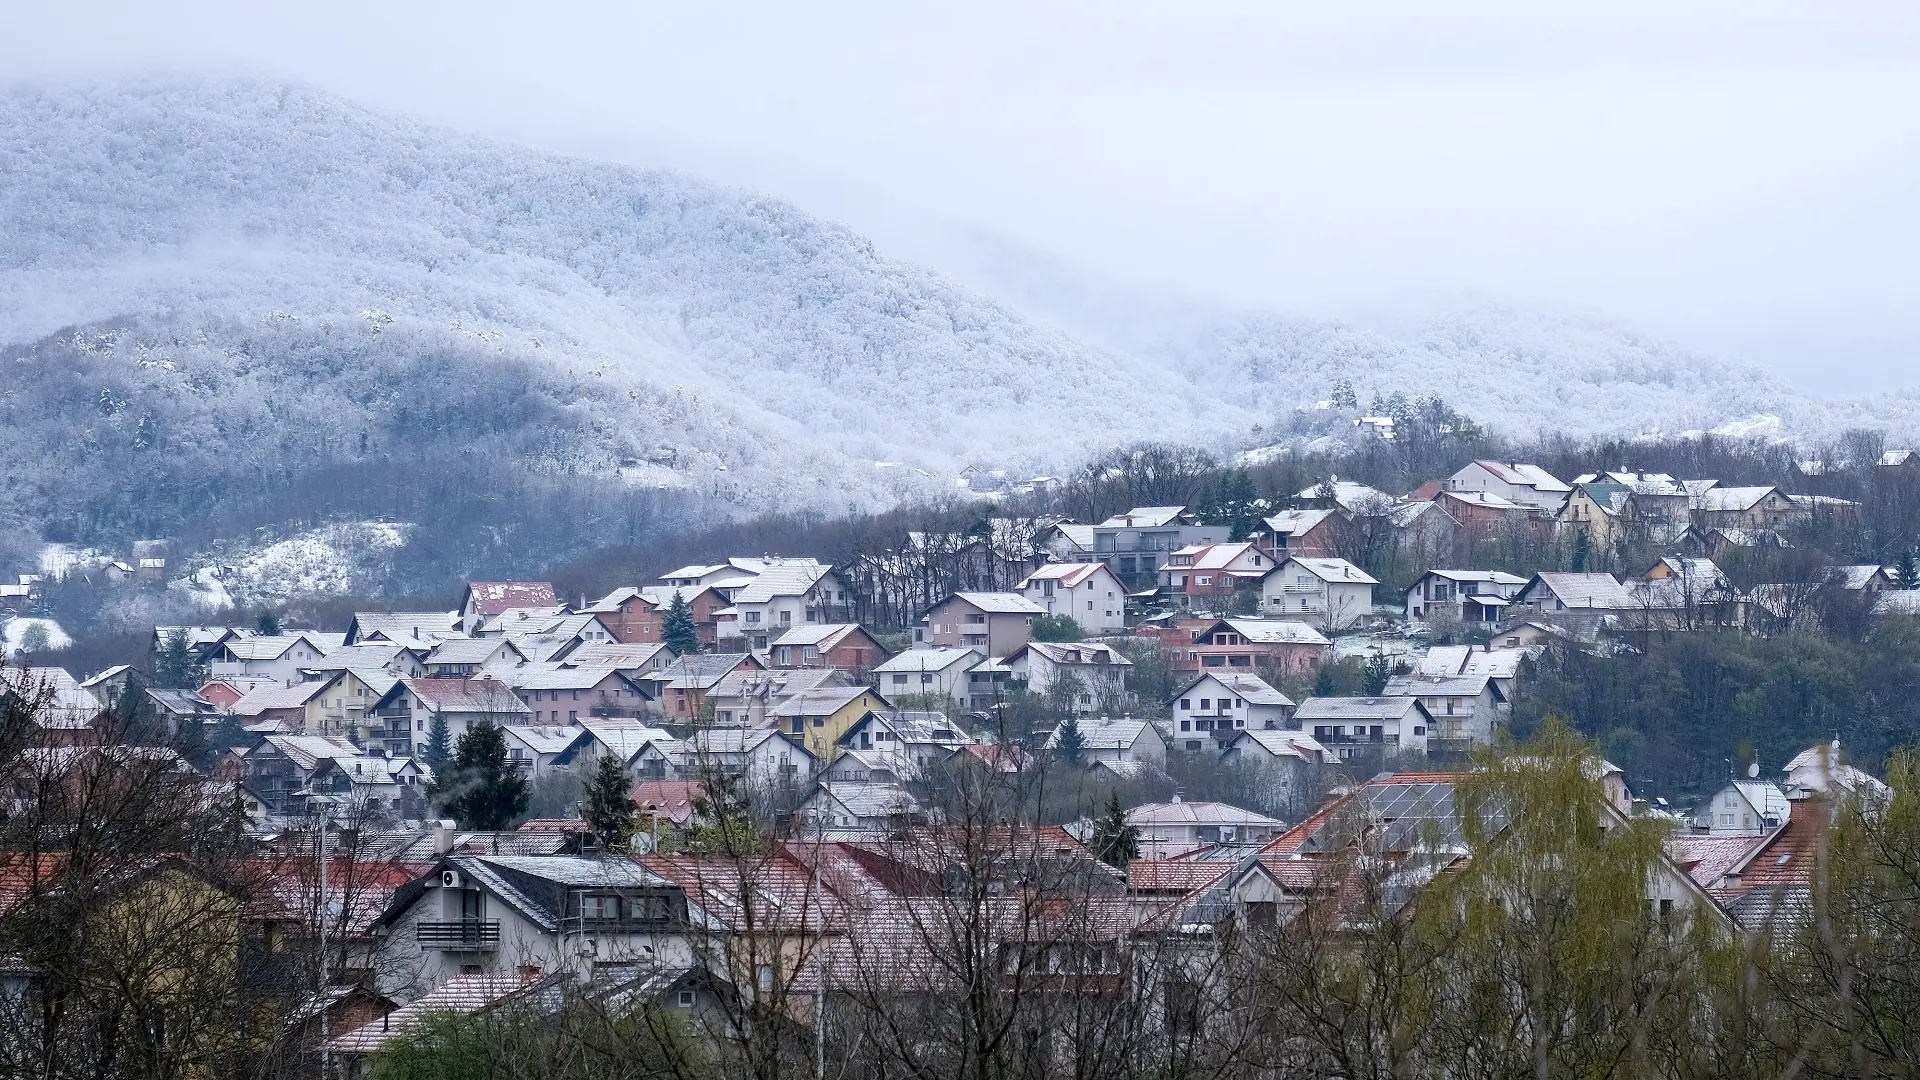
1118 655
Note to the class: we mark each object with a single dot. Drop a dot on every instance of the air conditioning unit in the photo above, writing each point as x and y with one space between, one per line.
449 879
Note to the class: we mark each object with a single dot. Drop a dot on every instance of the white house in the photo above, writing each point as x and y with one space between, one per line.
787 593
939 671
1122 741
646 753
1527 485
1099 670
769 760
1471 596
414 704
278 658
1330 593
1744 808
1087 592
923 738
1352 726
533 749
1222 703
1175 828
1287 762
1471 707
850 809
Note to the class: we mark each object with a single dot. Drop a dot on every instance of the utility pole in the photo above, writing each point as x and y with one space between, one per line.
325 805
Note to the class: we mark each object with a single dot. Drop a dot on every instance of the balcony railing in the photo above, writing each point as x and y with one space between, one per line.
465 934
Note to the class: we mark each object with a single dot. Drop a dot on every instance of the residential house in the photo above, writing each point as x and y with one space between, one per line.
1603 516
1502 665
991 623
261 658
1749 807
565 692
644 752
1089 593
1719 544
1346 495
939 672
1656 497
746 696
1328 593
844 810
413 705
684 686
1171 829
459 658
181 709
856 766
1123 741
1682 593
1764 507
1211 577
638 615
1470 596
65 713
1288 761
486 599
787 593
534 749
373 785
472 914
1526 485
1065 541
1222 703
270 707
631 659
1312 534
541 636
1482 516
1356 726
770 761
1135 543
278 767
1574 597
1824 771
1467 710
846 646
820 717
923 739
668 803
377 656
1093 675
1247 645
412 629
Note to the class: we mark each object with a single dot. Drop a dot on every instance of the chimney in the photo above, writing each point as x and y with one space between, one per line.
442 836
1176 794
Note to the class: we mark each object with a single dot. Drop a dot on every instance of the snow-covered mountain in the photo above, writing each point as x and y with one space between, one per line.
210 285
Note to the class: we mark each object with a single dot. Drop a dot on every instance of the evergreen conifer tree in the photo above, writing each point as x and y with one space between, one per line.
1069 743
1907 570
678 629
439 744
176 667
1115 842
480 789
608 807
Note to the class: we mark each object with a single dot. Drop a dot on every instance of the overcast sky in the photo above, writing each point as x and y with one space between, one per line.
1740 177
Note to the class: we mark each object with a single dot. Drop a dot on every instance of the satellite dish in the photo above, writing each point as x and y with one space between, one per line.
1753 770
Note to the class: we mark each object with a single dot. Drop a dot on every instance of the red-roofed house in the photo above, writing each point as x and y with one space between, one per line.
484 599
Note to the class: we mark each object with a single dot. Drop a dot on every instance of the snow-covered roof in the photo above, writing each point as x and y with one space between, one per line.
68 703
1599 592
627 738
822 701
541 739
264 698
1721 499
1002 603
823 636
1483 499
1251 688
1145 517
624 655
868 800
1182 812
493 597
554 675
1070 574
786 578
1210 556
1107 733
1075 652
1523 475
1355 708
1349 495
1277 632
934 658
1493 577
465 695
1334 570
1470 660
1437 685
1295 522
1279 743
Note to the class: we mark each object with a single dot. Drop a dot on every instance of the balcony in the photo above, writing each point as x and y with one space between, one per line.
467 935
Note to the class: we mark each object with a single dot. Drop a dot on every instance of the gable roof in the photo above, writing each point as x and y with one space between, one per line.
1109 733
788 577
929 658
701 671
1251 688
1598 592
1184 812
554 675
402 627
1071 574
998 603
1283 743
623 655
1456 685
822 701
1074 652
1296 522
1470 660
1523 475
1357 708
443 694
263 698
1213 556
1270 631
1722 499
823 636
1337 571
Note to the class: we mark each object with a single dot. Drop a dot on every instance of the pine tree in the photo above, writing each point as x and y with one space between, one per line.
677 629
479 788
1379 671
608 806
269 624
1907 570
723 817
1115 842
1068 742
176 667
439 744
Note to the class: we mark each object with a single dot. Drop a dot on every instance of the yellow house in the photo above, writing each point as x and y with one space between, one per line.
345 705
819 717
1602 511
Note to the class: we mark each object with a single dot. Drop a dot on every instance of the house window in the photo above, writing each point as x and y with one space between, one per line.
900 679
597 906
1186 703
753 616
1205 704
685 999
